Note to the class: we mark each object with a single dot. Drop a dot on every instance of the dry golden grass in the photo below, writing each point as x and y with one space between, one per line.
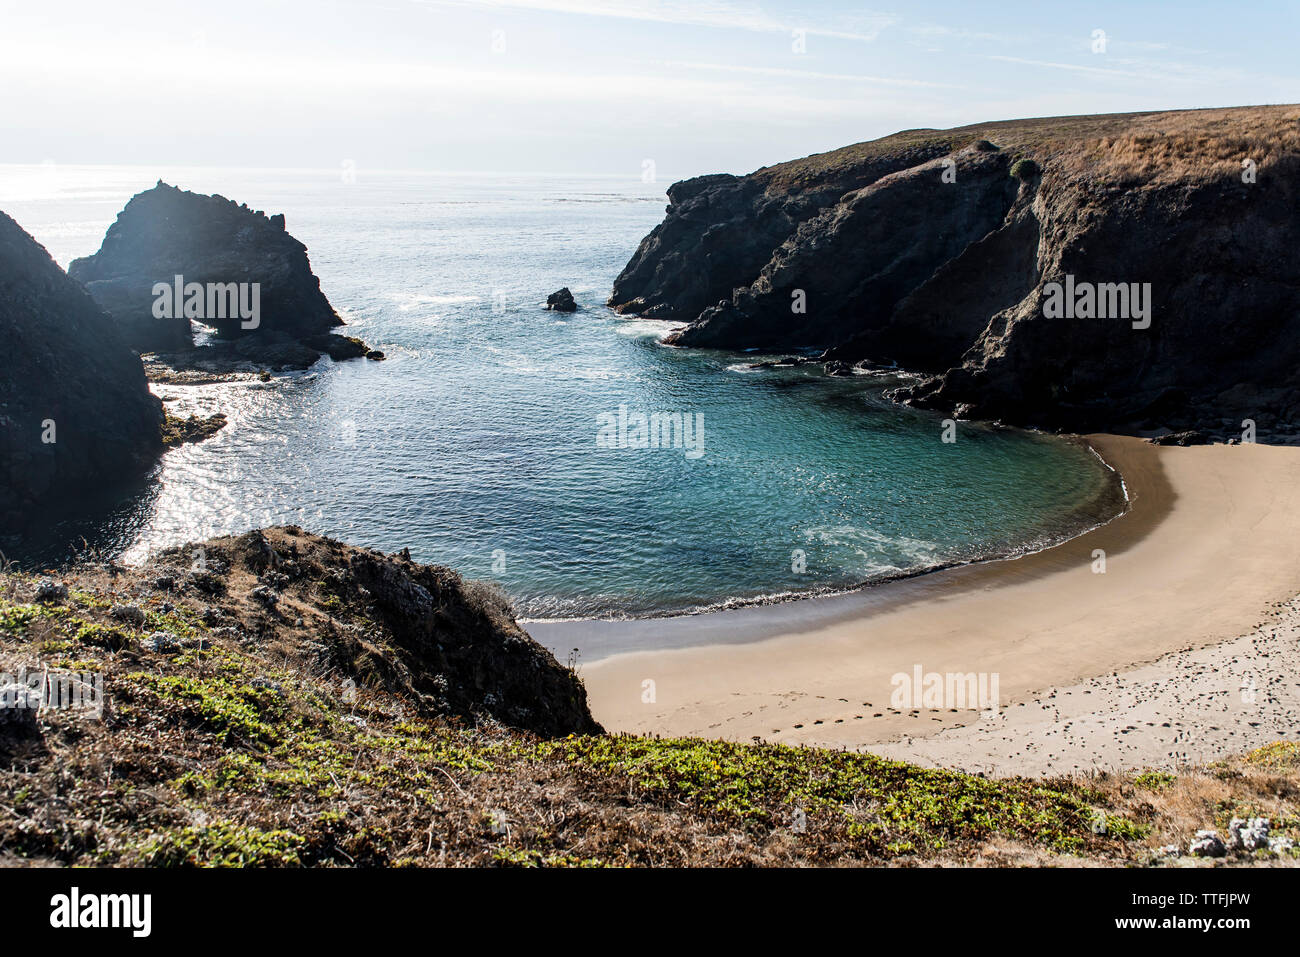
1119 148
1262 783
1191 147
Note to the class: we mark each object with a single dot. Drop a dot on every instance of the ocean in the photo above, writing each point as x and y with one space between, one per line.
500 439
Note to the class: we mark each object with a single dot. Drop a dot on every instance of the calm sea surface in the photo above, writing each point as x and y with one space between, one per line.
475 443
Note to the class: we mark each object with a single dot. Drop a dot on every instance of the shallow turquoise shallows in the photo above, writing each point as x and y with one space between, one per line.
478 443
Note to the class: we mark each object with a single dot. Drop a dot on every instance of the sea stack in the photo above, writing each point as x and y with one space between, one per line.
75 409
175 257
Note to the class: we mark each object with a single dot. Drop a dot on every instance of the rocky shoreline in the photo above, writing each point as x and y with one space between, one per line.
76 410
944 252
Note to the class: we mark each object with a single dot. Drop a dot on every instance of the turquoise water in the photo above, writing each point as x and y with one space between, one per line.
475 444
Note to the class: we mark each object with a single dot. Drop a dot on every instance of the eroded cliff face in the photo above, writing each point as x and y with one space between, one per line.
1223 291
167 232
720 230
75 409
845 270
949 266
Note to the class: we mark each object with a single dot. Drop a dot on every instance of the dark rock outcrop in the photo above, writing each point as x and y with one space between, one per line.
166 232
937 252
1191 437
448 646
721 230
561 301
896 232
75 409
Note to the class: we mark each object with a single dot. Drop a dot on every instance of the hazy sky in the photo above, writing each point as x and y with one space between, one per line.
584 86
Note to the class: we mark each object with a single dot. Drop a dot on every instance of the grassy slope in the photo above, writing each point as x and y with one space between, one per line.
211 753
1118 147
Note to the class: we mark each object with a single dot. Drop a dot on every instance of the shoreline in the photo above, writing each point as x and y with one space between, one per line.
743 621
1210 539
817 600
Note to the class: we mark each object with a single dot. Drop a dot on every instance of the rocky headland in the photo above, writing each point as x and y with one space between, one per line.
75 410
242 275
949 254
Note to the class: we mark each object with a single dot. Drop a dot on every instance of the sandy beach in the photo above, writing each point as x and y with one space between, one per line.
1094 669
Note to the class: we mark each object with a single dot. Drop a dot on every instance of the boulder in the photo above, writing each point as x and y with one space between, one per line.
561 301
1207 844
18 710
1248 834
48 591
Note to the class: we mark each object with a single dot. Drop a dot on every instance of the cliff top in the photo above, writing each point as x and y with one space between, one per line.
1159 145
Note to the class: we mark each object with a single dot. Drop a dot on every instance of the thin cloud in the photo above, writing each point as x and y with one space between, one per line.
1077 67
702 13
810 75
1157 73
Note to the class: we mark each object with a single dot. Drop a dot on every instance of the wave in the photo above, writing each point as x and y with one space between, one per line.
1075 525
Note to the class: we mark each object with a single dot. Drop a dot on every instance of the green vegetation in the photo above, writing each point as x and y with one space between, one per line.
224 704
1024 169
221 845
1154 780
1279 754
891 806
14 619
251 751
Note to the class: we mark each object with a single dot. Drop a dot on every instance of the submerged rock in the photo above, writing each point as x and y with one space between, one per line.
178 431
75 409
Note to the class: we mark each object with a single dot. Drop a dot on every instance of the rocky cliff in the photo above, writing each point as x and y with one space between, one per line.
75 409
241 275
950 253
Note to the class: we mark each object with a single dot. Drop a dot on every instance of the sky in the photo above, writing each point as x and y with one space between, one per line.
594 86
